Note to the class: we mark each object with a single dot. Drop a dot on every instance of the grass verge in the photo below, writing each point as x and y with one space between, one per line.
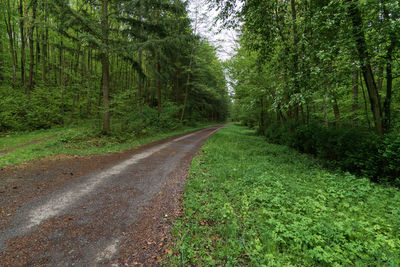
79 141
251 203
13 140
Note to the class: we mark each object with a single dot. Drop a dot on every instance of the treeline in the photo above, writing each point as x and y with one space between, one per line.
137 62
322 77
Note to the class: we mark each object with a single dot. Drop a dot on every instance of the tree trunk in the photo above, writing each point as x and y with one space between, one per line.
388 98
366 68
389 79
295 57
1 60
365 103
21 28
140 88
44 49
380 78
62 88
11 40
158 85
105 67
61 63
44 56
38 52
89 77
355 91
147 93
31 31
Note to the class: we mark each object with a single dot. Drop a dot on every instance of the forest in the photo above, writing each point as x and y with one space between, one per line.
121 65
128 139
321 77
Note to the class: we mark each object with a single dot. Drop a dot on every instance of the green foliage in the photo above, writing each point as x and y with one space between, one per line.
330 65
356 150
248 203
81 140
39 110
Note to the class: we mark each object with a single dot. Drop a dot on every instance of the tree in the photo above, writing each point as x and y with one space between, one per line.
102 59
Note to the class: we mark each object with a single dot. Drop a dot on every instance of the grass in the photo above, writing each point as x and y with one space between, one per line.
20 138
78 140
247 202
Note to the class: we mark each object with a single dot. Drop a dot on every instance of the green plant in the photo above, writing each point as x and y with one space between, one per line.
247 203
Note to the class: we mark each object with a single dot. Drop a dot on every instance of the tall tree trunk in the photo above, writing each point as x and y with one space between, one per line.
88 79
147 93
11 38
1 59
366 68
140 89
21 28
62 87
31 30
365 103
38 52
380 78
295 57
389 79
105 67
158 86
355 91
44 57
44 49
61 63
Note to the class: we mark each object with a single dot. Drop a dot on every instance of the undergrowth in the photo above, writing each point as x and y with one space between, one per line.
256 204
79 140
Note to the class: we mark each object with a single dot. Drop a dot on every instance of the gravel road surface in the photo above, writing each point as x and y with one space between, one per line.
99 210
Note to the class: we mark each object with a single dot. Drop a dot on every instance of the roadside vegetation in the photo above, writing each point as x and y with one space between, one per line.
80 140
248 202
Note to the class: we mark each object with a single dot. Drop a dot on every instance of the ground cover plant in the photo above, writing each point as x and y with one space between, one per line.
9 141
79 140
251 203
356 150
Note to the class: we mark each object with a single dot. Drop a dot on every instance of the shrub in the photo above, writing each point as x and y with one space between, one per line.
20 112
356 150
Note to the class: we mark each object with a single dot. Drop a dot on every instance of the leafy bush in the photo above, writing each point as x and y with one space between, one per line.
356 150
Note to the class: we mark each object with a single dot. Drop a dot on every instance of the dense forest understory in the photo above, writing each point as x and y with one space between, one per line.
112 66
256 204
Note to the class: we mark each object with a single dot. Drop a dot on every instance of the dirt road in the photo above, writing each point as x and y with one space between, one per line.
111 210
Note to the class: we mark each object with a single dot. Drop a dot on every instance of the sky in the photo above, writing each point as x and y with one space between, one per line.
223 39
